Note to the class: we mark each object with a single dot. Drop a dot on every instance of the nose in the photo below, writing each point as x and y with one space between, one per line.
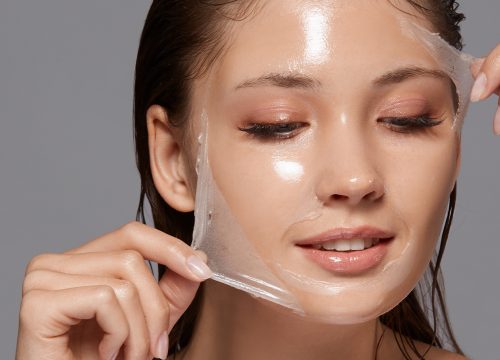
349 175
354 191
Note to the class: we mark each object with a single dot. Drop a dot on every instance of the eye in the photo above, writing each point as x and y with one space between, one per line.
410 124
278 131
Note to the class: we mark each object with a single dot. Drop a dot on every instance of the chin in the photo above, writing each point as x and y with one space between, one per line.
347 308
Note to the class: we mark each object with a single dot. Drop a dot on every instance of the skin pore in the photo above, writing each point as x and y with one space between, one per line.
381 173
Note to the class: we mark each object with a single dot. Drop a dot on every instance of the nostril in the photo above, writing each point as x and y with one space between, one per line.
351 190
339 197
374 195
370 196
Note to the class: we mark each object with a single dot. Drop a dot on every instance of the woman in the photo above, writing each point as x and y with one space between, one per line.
197 57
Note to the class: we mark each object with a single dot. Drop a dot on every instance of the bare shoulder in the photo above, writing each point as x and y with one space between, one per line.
434 353
439 354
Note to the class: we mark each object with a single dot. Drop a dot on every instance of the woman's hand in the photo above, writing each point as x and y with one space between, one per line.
88 302
487 74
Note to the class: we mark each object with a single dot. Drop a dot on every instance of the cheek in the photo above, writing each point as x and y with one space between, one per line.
418 187
259 191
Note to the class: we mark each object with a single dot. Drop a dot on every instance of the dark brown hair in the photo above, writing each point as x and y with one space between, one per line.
180 41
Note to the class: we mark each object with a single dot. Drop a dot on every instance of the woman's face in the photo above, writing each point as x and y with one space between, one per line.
330 131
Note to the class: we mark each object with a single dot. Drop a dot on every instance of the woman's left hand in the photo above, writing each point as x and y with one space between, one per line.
486 71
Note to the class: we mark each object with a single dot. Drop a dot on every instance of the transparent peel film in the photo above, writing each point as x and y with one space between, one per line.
259 205
230 257
453 62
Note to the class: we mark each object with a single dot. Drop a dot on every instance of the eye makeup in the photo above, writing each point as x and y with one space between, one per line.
412 114
269 131
273 122
276 115
410 124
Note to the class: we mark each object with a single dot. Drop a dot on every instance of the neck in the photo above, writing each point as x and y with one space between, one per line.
233 325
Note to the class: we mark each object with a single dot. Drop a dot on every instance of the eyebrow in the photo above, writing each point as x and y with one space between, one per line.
406 73
285 80
293 80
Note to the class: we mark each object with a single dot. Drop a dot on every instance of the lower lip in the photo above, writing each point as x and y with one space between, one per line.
349 262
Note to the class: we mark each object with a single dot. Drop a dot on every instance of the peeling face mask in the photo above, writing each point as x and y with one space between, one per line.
327 154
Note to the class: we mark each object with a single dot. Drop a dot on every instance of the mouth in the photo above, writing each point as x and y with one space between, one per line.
345 245
348 250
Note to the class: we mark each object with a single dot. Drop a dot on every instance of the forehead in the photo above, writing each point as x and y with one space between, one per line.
330 39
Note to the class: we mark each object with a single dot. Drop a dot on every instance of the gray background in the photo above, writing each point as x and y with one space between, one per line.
67 167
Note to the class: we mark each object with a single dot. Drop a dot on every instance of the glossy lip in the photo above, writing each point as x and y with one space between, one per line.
347 262
361 232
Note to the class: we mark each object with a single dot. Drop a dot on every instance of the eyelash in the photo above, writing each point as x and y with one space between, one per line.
410 124
283 131
267 131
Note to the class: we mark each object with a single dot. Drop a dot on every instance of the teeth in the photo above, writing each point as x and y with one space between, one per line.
357 244
329 245
342 245
347 245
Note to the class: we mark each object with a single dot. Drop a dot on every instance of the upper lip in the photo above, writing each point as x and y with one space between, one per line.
345 233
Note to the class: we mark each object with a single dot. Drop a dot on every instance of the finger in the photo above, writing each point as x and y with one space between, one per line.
154 245
476 66
128 265
137 344
57 311
180 293
488 77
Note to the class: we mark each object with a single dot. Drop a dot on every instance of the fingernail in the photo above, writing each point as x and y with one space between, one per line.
162 346
479 87
198 267
114 356
496 122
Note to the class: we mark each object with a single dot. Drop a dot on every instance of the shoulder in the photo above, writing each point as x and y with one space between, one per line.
439 354
434 353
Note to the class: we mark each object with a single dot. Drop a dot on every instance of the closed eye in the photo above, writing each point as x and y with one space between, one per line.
410 124
270 131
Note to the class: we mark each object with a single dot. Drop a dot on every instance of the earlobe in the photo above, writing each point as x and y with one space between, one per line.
167 162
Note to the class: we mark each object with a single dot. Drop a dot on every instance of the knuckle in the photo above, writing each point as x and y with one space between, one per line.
130 229
105 294
126 290
31 280
177 249
131 259
37 261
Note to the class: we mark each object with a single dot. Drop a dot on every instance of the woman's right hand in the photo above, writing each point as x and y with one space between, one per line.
88 302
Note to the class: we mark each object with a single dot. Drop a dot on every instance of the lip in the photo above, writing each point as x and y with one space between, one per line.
363 232
347 262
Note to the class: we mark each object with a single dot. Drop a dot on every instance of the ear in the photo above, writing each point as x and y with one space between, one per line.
168 167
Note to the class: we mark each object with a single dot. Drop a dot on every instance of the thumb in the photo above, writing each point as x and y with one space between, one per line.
476 66
179 292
